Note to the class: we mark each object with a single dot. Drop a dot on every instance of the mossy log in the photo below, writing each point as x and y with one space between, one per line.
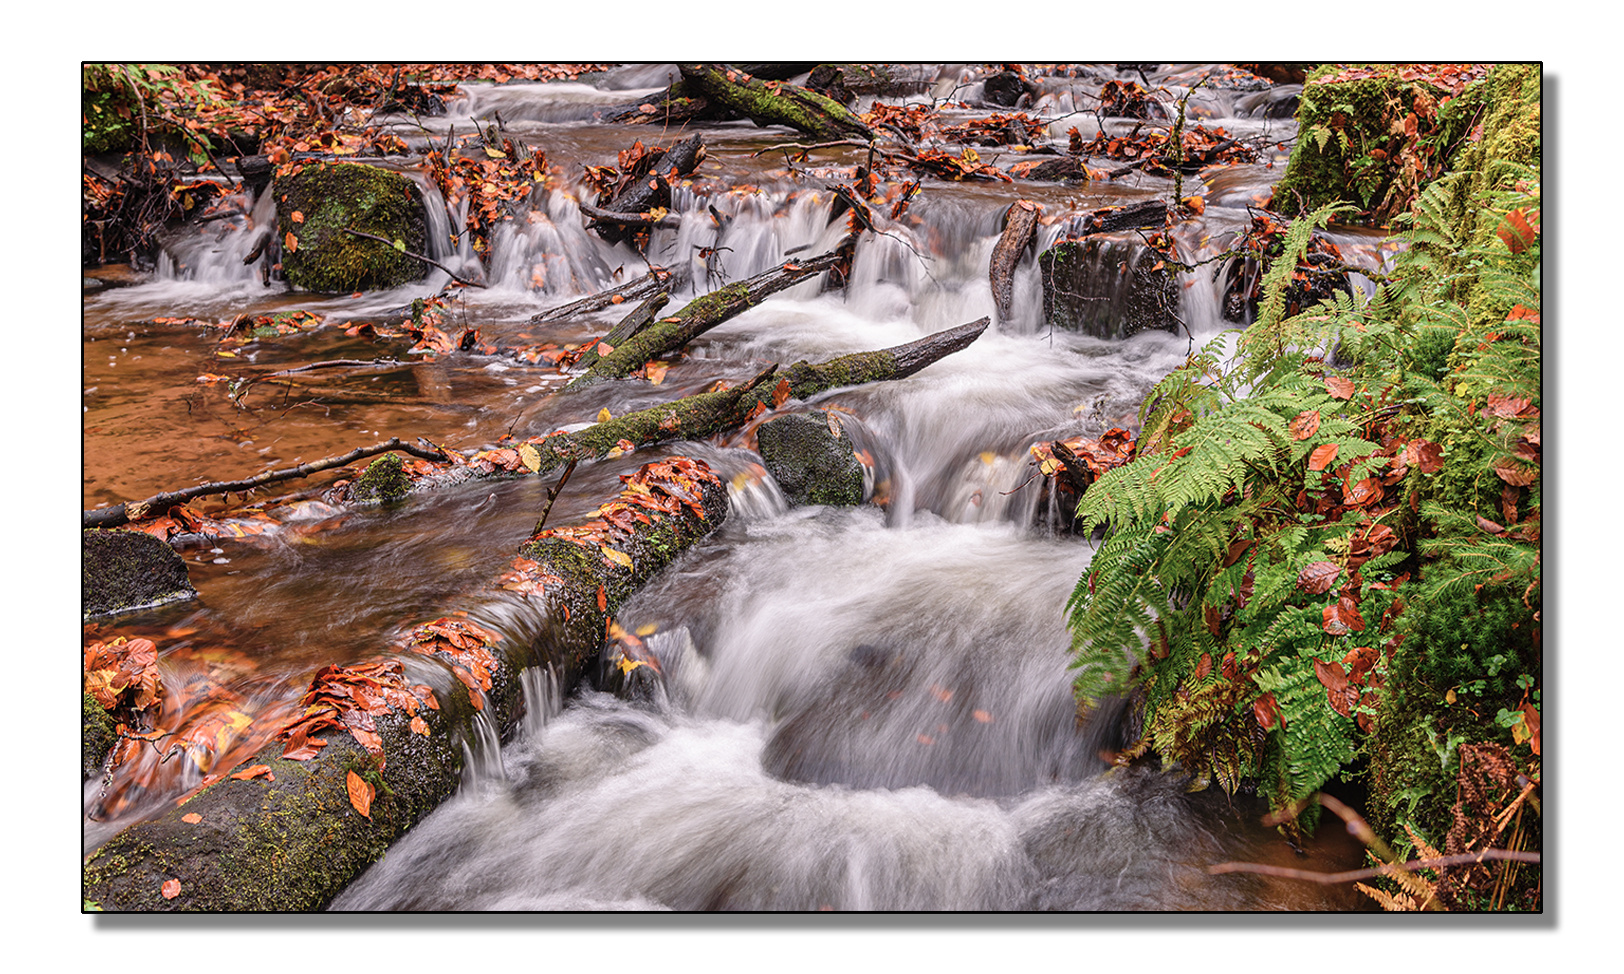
1020 227
774 103
695 318
709 413
291 836
640 318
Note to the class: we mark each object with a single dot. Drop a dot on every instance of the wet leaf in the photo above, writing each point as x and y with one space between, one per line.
604 415
296 217
1203 666
1338 387
290 242
360 793
1343 617
529 457
1322 456
419 726
1517 232
191 818
1305 424
257 771
603 599
1515 473
1317 578
618 557
170 889
981 716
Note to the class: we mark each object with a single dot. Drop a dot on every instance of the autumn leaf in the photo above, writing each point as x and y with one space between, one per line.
170 889
1338 387
290 242
419 726
604 415
1516 231
360 793
780 393
296 217
1342 618
1306 424
603 599
1203 666
1362 493
1317 578
191 818
618 557
981 716
257 771
529 457
1322 456
1515 474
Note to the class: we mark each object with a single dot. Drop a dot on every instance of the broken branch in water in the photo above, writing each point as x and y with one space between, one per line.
427 260
110 517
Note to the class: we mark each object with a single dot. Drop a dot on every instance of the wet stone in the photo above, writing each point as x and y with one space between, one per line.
128 570
1107 287
812 463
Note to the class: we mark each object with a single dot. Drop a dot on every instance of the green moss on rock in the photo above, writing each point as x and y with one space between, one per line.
812 464
333 198
383 481
97 736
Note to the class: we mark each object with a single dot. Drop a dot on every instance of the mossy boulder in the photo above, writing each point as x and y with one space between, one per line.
383 481
1107 286
98 734
1376 135
317 206
128 570
813 462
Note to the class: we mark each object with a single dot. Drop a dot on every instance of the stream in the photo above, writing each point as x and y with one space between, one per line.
862 709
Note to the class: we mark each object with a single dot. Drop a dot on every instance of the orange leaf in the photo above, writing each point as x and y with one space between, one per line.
780 393
419 727
1517 232
170 889
360 793
1338 387
296 216
191 818
1322 456
257 771
981 716
290 242
603 599
1306 424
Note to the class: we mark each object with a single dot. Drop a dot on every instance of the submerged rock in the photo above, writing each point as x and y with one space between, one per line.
128 570
316 206
812 460
382 481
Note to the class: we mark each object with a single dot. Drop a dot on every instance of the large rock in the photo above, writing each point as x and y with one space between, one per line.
318 254
128 570
812 460
1108 287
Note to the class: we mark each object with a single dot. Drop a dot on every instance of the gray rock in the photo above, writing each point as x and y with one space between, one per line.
1108 287
128 570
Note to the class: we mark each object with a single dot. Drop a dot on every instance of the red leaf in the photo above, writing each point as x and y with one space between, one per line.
1425 455
1322 456
1267 711
781 393
1203 666
170 889
1317 578
1489 525
360 793
1366 491
1338 387
1517 232
1507 406
1343 617
1306 424
1359 661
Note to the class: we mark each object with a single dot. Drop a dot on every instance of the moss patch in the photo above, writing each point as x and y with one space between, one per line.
332 198
812 464
383 481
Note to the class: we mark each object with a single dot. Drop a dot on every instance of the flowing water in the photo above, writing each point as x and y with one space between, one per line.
863 709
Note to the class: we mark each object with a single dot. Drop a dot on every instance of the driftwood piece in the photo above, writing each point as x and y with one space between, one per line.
774 103
697 317
647 192
1019 231
634 290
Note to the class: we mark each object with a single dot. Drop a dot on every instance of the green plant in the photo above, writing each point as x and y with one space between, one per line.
1336 530
124 104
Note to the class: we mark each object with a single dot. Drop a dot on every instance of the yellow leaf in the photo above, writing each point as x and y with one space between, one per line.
604 415
987 457
495 153
529 457
647 629
618 557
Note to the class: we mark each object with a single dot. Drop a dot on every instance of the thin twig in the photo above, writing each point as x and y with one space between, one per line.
109 517
1386 869
552 495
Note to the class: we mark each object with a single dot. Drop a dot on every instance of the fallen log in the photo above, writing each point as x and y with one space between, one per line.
697 317
641 317
707 414
1017 237
774 103
288 828
645 221
635 290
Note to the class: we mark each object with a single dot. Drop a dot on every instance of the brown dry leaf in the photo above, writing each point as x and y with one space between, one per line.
1338 387
360 793
1305 424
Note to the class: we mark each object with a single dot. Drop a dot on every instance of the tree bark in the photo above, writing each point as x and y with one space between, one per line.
649 191
1016 238
697 317
774 103
640 318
